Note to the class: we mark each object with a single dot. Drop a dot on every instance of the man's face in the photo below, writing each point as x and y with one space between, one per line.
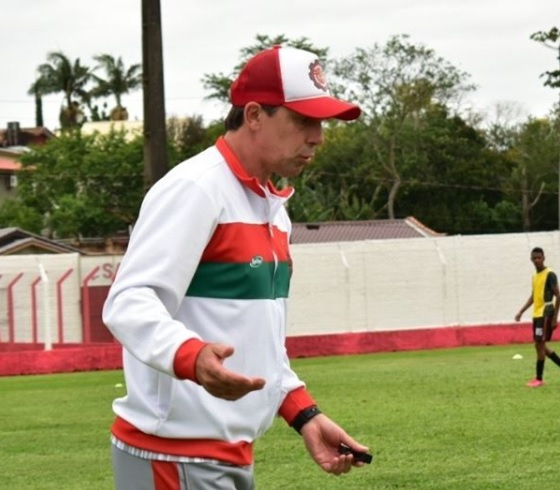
287 142
538 260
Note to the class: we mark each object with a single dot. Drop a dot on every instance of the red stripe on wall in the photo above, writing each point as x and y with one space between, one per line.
166 475
402 340
106 357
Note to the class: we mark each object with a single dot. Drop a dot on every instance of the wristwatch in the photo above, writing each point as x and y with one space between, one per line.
305 416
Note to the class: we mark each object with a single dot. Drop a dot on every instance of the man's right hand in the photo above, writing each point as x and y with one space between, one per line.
219 381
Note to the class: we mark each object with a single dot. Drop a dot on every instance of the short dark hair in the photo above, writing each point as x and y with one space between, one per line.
234 119
537 250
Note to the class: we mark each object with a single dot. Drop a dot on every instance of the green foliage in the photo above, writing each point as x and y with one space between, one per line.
434 420
398 79
188 137
411 153
15 213
83 185
453 176
531 152
397 85
343 181
118 81
550 39
62 75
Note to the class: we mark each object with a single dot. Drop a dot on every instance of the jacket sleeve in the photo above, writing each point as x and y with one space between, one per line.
176 221
296 397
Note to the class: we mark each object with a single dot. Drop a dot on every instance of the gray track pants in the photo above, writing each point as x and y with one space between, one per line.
132 473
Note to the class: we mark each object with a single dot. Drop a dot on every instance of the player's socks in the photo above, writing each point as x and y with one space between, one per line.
554 358
540 369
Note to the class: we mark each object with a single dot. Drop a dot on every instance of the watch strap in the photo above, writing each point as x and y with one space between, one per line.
305 416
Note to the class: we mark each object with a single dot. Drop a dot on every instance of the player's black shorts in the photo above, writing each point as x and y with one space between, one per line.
542 328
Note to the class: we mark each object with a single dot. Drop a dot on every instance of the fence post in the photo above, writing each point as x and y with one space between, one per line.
86 306
47 307
35 337
11 319
59 304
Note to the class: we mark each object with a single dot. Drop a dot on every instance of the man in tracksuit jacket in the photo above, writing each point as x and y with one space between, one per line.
199 301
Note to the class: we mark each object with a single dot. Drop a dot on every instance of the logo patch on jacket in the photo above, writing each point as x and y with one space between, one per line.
256 261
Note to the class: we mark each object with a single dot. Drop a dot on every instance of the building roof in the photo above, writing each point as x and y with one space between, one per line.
14 241
27 136
13 152
348 231
9 165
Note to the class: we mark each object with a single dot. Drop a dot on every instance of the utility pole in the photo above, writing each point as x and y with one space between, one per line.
155 138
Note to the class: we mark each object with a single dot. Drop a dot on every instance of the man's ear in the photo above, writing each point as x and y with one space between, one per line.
253 115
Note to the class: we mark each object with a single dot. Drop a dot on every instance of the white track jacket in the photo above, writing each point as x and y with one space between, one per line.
208 261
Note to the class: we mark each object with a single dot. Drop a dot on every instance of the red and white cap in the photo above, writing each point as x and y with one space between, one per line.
292 78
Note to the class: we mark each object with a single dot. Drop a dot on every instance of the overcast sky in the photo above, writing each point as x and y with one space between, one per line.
489 39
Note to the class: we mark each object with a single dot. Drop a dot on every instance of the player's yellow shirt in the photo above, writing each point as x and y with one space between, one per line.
543 291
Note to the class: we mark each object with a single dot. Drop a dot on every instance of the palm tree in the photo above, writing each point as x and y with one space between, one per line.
119 81
37 92
59 74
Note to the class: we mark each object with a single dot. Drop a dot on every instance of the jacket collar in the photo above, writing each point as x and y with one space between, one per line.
243 176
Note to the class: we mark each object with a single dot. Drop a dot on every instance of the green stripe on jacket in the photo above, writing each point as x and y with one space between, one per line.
240 281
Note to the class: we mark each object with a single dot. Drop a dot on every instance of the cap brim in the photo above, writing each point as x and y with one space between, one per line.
325 108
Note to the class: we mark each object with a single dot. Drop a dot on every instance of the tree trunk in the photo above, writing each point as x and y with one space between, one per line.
525 204
396 179
39 122
393 197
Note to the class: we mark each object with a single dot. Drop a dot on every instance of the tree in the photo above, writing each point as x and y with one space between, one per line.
60 74
549 39
16 213
534 170
37 91
66 188
395 85
457 185
118 81
340 184
188 136
218 84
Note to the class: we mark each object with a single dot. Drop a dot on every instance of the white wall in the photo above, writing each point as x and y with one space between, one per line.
336 287
414 283
20 274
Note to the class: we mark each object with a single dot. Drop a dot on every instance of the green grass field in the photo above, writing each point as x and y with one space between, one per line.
458 419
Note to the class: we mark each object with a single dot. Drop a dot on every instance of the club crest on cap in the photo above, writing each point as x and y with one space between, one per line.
317 75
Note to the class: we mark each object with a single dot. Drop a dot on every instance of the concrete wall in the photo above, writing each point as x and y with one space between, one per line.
351 287
414 283
30 303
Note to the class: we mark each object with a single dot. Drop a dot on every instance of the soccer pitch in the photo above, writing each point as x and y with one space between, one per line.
439 419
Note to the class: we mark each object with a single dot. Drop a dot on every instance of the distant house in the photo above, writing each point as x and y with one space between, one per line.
349 231
9 167
14 142
14 241
16 136
130 128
